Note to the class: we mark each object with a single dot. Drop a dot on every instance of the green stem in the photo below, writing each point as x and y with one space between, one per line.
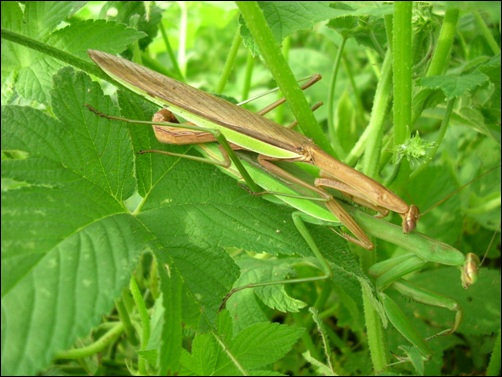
126 321
279 111
377 46
96 347
262 35
374 330
248 76
170 52
182 38
227 69
358 97
402 61
439 61
402 64
145 321
373 63
375 126
331 94
486 33
358 149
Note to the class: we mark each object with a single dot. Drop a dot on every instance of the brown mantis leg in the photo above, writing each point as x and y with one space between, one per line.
361 238
352 194
295 123
315 78
179 136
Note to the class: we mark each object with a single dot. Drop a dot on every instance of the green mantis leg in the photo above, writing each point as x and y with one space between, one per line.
388 274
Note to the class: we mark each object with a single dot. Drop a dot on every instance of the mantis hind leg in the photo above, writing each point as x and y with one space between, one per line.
389 274
360 238
351 193
428 297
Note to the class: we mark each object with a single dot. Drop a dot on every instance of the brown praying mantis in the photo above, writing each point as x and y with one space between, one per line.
222 121
213 119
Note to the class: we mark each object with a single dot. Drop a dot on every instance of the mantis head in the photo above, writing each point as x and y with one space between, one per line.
470 270
410 219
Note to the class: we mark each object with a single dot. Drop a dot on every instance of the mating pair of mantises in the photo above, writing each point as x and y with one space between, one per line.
252 148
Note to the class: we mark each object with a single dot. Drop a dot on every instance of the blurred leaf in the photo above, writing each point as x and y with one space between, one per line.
134 15
444 222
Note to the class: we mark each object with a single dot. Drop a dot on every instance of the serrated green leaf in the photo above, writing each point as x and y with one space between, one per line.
224 325
265 271
256 346
287 18
79 37
35 70
454 86
203 359
12 16
41 17
149 168
264 343
246 305
362 21
346 21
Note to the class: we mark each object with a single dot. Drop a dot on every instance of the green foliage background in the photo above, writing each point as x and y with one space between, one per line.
114 262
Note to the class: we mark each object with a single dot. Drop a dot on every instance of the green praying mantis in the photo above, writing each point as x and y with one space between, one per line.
262 148
269 140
